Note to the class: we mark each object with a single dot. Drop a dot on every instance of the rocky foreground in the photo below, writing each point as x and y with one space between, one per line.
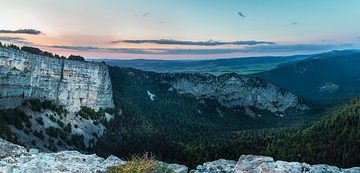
262 164
16 159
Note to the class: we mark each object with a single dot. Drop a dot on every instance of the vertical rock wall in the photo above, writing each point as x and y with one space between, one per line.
69 83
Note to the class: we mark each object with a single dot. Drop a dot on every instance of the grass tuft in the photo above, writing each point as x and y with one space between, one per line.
137 164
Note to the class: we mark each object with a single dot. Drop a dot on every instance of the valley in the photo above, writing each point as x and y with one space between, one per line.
179 86
245 65
184 118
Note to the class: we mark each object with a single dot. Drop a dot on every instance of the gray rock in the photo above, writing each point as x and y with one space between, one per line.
233 90
8 149
262 164
70 83
174 168
66 161
218 166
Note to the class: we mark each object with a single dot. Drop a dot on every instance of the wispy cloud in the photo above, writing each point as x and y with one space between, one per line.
21 31
250 49
194 43
146 14
15 40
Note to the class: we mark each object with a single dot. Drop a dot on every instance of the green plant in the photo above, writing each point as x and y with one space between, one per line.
87 113
78 141
52 118
53 131
40 120
39 134
67 128
35 104
137 164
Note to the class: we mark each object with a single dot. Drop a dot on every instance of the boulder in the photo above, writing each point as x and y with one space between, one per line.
263 164
218 166
14 158
173 168
8 149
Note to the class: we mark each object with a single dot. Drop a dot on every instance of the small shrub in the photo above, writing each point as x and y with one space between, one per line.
78 141
67 128
52 118
28 124
40 120
59 143
53 132
94 134
87 113
35 105
61 124
39 134
96 123
76 58
136 164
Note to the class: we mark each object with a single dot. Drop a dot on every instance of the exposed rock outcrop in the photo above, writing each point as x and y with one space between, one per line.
72 84
233 90
14 158
175 168
262 164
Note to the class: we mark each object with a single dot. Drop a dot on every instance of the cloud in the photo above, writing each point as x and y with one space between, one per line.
194 43
15 40
297 47
241 14
291 48
146 14
21 31
100 49
294 23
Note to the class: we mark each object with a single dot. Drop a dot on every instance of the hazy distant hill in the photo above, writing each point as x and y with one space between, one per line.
247 65
332 75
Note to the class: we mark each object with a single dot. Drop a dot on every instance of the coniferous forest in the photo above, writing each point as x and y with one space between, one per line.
172 129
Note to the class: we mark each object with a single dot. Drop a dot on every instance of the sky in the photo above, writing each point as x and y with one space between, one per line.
181 29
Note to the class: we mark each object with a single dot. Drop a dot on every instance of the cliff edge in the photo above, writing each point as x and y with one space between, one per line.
72 84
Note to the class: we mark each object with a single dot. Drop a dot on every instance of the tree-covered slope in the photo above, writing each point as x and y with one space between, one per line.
334 139
333 75
176 127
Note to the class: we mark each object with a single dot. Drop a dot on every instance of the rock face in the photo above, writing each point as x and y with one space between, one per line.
233 90
15 158
8 149
220 165
69 83
262 164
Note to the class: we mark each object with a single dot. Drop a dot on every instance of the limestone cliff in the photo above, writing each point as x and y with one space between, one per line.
69 83
232 90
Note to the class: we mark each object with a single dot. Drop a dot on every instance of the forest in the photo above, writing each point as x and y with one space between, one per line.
180 128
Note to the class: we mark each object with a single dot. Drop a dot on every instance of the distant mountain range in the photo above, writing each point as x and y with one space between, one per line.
331 75
248 65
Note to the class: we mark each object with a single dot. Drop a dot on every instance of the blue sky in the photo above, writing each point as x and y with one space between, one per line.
182 29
